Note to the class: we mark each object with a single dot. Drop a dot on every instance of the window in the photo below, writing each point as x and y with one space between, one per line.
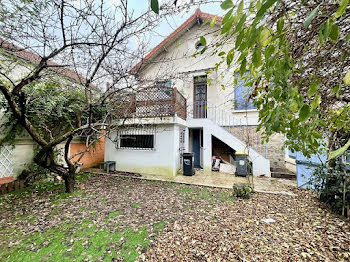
137 141
199 46
136 137
242 94
165 83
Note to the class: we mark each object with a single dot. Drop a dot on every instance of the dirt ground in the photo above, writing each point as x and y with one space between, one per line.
127 219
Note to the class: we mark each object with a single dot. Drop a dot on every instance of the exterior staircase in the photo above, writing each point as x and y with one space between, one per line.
261 165
249 136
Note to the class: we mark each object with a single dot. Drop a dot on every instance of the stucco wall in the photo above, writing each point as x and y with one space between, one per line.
162 160
176 63
93 157
22 156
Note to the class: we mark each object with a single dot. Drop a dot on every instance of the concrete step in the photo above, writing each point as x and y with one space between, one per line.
284 175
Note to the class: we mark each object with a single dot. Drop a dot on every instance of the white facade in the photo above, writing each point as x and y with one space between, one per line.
173 61
163 159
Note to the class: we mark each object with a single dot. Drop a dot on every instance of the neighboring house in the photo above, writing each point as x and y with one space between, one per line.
15 158
188 110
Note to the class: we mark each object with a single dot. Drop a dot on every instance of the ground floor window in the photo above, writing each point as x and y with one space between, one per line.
137 141
136 137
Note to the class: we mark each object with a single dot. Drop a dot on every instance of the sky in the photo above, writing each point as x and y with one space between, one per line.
170 23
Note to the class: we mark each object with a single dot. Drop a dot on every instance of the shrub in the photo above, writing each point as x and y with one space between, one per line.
242 191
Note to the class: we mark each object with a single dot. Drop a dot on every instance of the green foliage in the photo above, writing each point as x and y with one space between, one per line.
342 7
339 151
333 184
311 16
48 103
286 91
155 6
347 78
136 205
227 4
159 226
242 191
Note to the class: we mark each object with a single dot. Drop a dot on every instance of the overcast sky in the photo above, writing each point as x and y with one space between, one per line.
170 23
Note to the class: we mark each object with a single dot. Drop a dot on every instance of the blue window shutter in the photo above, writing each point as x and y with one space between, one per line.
241 96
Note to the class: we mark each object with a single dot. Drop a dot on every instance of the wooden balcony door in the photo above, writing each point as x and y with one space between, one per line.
200 97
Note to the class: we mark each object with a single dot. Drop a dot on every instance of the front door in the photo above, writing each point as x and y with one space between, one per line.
200 97
196 147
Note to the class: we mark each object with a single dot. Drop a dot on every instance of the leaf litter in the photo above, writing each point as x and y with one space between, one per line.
127 219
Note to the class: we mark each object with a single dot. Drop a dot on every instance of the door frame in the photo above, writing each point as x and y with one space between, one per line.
198 155
198 107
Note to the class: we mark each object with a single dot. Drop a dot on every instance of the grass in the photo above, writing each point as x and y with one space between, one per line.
113 214
136 205
86 243
94 238
189 193
57 199
159 226
56 211
48 186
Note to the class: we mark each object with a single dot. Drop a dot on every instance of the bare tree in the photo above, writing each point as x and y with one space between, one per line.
96 39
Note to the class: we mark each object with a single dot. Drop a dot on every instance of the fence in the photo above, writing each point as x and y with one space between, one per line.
157 101
6 168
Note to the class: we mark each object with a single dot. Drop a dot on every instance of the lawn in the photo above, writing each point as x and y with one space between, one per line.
126 219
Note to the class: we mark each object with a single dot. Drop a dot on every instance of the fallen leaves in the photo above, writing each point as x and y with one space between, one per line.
183 223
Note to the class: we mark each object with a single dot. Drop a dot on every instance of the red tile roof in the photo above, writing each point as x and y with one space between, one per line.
35 59
192 19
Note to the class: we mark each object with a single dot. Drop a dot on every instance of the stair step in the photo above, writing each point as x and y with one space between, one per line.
284 175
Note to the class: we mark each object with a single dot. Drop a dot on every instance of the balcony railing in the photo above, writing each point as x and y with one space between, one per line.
153 102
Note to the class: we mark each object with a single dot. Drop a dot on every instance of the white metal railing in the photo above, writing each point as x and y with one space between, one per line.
226 119
217 114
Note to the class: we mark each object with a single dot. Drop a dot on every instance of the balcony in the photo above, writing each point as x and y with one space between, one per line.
153 102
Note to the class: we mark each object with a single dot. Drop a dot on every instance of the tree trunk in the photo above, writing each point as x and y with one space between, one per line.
69 183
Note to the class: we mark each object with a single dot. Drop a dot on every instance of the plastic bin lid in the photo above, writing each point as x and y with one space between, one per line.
188 154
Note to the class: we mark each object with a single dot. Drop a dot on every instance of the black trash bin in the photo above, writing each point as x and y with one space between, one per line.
188 164
243 165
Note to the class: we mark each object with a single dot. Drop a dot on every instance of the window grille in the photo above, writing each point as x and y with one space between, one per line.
137 141
136 137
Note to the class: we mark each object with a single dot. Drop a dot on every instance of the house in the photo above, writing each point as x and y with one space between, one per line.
188 110
15 158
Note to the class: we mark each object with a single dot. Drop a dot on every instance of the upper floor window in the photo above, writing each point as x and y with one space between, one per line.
199 46
242 93
165 83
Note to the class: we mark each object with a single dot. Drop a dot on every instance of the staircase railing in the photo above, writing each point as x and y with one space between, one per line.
226 119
